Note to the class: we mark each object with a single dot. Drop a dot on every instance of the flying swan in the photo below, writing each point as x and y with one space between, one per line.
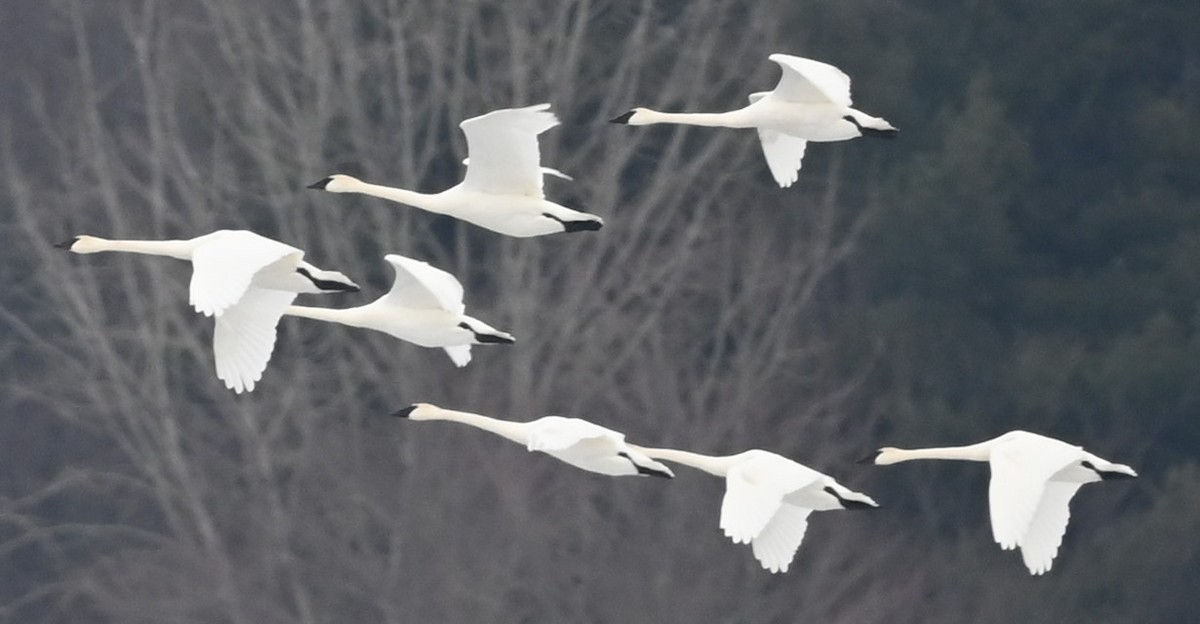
242 279
582 444
810 103
768 498
424 307
502 189
1033 480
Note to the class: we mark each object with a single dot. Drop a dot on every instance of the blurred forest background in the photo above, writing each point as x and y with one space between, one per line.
1025 255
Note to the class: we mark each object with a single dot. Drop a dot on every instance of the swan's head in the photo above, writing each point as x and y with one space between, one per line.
337 183
635 117
882 457
82 244
326 281
418 411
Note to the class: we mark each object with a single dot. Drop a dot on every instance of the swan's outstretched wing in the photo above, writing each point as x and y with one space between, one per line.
1020 473
555 433
223 268
782 151
244 336
777 543
503 148
419 285
806 81
1040 543
754 491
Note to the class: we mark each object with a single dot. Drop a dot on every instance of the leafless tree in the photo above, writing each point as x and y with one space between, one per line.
696 318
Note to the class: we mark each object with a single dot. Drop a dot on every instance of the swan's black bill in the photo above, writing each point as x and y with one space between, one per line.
1115 476
67 243
320 184
869 459
403 413
621 119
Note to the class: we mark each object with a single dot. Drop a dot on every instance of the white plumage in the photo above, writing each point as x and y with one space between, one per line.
811 102
1033 480
578 442
242 279
768 498
502 188
424 307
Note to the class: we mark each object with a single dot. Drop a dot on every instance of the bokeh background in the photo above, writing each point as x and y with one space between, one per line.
1026 254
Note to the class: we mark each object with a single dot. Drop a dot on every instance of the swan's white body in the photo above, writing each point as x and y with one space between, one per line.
1033 480
502 189
810 103
244 280
768 498
582 444
424 307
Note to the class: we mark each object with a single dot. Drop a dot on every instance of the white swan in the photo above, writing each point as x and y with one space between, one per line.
810 103
424 306
502 189
1033 480
244 280
575 441
768 498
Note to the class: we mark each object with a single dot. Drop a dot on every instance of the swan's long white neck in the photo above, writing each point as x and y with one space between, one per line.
973 452
719 465
730 119
516 431
181 249
425 201
347 316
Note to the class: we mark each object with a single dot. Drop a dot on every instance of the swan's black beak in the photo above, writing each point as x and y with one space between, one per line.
320 184
403 413
621 119
67 243
869 459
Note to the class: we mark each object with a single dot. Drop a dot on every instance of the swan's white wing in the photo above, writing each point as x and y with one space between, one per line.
806 81
777 543
751 500
503 148
460 354
546 170
1040 543
244 336
223 268
782 151
1020 472
419 285
555 433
